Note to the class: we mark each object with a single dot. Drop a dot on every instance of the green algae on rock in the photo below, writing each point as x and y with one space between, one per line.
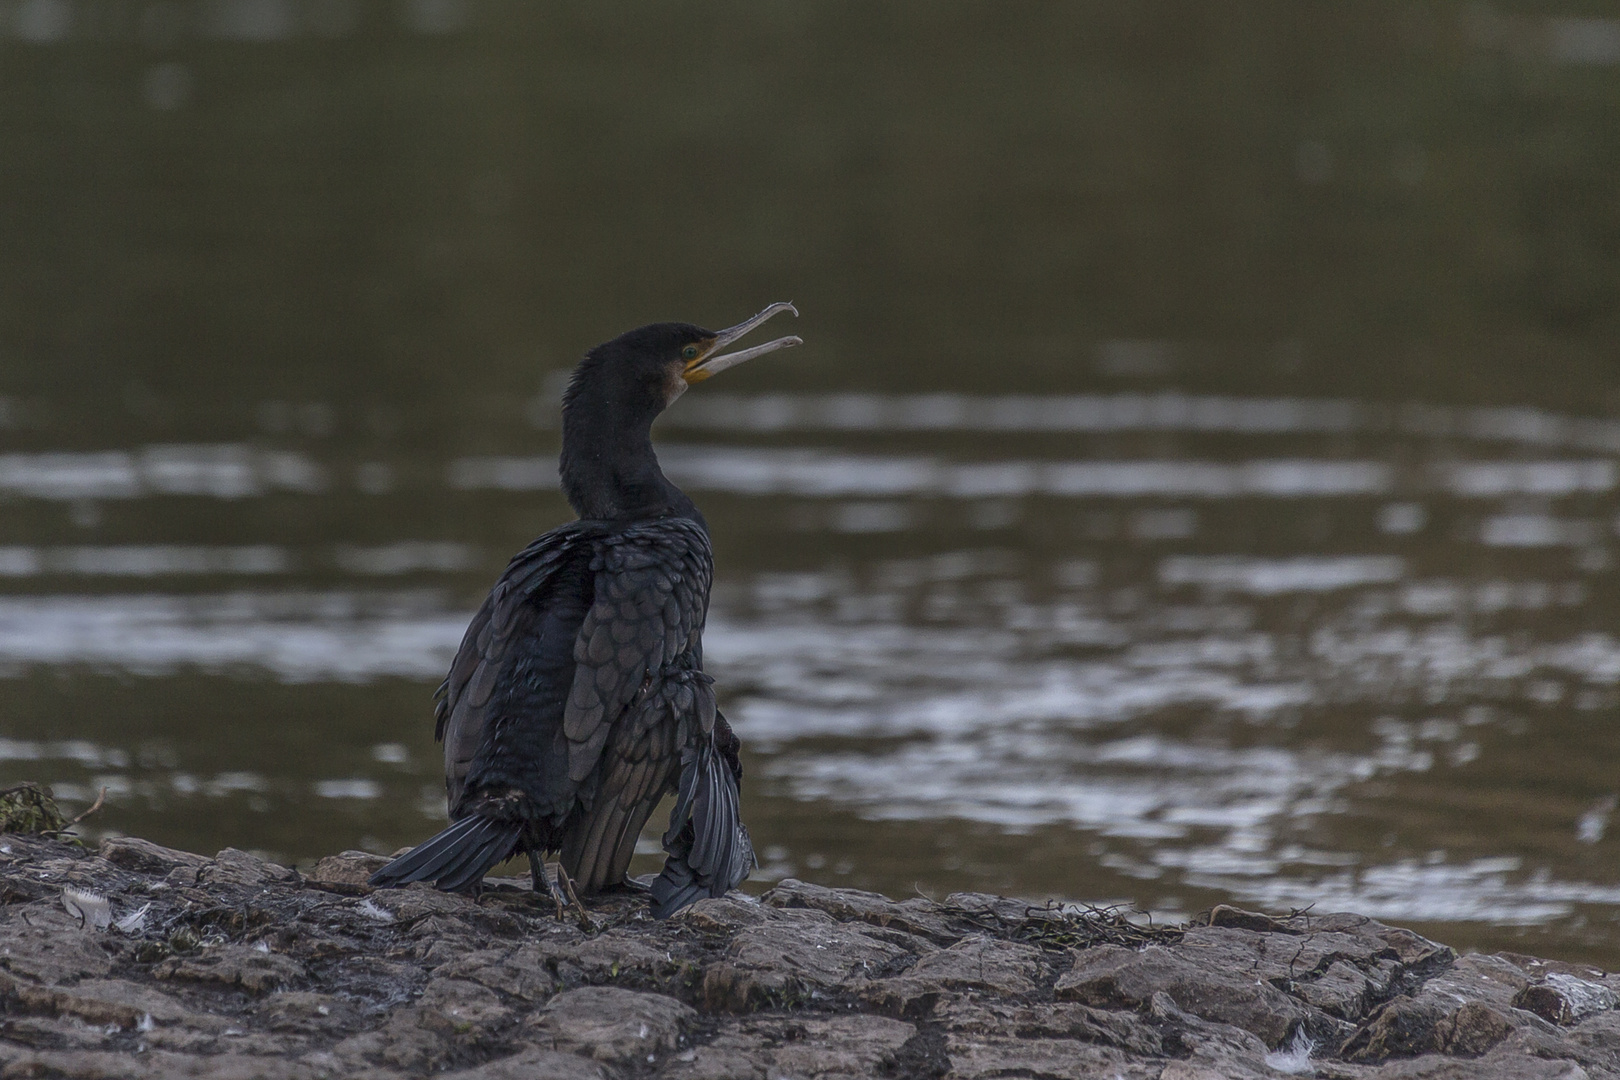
30 810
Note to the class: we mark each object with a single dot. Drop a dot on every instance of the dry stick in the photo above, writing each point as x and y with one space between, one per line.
583 919
93 808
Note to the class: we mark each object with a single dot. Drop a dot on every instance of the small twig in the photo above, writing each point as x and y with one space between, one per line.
101 798
584 921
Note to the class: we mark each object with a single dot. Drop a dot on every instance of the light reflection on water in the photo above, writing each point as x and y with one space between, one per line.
1210 712
295 636
1104 413
237 472
221 472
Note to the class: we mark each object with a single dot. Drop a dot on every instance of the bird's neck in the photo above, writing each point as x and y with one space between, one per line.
609 470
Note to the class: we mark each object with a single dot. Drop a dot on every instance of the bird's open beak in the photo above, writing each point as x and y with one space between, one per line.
711 360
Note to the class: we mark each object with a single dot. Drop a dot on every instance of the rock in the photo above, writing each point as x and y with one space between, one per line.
461 1007
233 867
1230 1050
240 967
1535 968
244 969
104 1002
158 1065
844 1046
1111 977
421 901
525 972
1400 1028
609 1024
1593 1041
1342 990
1340 971
414 1039
917 916
1409 948
145 857
560 958
814 1049
982 907
1565 999
1412 949
1128 1031
1428 1019
349 871
1238 919
297 1011
724 914
58 1032
1472 1030
721 1061
531 1064
1498 1065
602 959
1281 956
977 964
42 942
981 963
791 959
976 1057
1186 1070
435 951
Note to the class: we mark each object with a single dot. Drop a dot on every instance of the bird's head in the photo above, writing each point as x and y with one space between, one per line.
655 364
701 357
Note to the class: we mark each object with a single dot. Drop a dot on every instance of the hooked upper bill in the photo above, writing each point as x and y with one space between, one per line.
711 361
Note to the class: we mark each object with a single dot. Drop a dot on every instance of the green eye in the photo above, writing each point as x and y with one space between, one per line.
690 352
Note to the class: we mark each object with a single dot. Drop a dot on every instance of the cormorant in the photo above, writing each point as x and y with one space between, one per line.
578 699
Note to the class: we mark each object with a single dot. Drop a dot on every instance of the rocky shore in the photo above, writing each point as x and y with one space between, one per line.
141 961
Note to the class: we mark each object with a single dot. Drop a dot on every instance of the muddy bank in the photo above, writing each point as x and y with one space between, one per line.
234 967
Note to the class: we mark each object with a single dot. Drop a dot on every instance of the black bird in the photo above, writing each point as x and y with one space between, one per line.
578 699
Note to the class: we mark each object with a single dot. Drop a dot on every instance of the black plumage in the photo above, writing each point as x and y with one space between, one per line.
578 698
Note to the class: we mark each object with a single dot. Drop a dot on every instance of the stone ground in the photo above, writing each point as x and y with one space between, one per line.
234 967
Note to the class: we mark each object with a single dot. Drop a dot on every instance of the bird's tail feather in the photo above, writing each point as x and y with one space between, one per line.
457 857
708 846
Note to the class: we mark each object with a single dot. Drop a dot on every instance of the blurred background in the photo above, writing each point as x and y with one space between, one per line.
1201 481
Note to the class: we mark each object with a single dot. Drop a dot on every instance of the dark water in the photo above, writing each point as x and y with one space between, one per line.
1202 481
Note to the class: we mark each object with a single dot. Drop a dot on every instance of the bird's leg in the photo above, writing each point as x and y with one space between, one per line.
542 885
566 883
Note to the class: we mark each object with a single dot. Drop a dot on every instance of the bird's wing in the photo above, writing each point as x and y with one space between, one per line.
464 698
651 597
708 846
638 766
